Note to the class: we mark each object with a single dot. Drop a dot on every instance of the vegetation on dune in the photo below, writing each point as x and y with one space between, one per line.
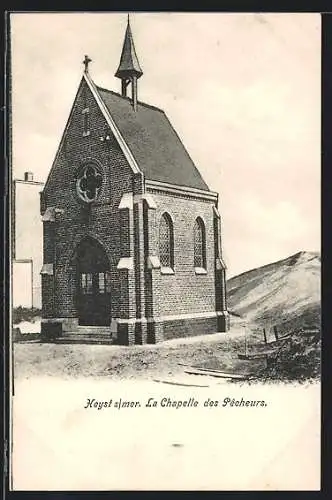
299 360
295 357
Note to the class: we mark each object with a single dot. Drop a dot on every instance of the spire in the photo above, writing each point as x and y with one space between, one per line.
129 69
129 64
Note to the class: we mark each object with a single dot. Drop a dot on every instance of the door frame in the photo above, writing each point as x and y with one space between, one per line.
93 307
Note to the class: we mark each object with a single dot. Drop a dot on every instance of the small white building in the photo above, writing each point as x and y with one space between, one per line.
27 242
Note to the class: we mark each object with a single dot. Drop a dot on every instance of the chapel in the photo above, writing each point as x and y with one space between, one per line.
132 249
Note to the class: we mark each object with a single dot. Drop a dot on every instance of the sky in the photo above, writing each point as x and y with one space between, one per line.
242 91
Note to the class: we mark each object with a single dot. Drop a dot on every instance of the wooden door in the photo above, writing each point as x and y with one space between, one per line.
94 284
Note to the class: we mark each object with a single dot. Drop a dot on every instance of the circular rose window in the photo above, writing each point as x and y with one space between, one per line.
88 183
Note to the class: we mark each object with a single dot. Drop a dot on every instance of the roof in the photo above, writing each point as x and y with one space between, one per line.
153 142
129 61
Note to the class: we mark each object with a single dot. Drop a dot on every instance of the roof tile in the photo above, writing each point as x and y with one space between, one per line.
155 145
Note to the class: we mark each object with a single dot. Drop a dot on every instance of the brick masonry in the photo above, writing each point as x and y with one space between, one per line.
184 291
140 296
189 327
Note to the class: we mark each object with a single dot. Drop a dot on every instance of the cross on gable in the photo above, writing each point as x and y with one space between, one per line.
86 62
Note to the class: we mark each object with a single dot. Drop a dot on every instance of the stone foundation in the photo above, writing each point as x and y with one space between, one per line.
51 329
141 331
153 332
191 327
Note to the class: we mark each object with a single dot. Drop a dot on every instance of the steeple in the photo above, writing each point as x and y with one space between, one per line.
129 69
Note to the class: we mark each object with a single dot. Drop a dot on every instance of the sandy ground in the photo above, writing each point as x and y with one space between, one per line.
62 443
217 351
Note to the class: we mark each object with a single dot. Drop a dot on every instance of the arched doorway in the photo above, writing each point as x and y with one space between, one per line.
94 284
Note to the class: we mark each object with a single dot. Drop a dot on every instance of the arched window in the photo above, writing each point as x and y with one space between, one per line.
199 244
166 242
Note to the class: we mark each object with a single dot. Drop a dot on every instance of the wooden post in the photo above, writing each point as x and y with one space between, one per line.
267 359
264 333
276 332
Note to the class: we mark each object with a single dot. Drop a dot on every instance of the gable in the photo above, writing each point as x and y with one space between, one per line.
140 141
76 148
153 142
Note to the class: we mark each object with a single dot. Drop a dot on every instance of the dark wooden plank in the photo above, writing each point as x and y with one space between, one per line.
197 371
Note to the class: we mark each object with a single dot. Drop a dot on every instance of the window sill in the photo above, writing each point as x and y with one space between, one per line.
166 270
200 270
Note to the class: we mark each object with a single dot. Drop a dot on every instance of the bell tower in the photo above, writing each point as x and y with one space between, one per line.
129 70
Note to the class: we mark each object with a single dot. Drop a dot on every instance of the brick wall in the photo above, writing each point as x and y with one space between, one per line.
189 327
100 220
184 291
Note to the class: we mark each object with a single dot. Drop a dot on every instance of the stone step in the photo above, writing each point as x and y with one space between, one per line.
90 331
87 335
80 338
